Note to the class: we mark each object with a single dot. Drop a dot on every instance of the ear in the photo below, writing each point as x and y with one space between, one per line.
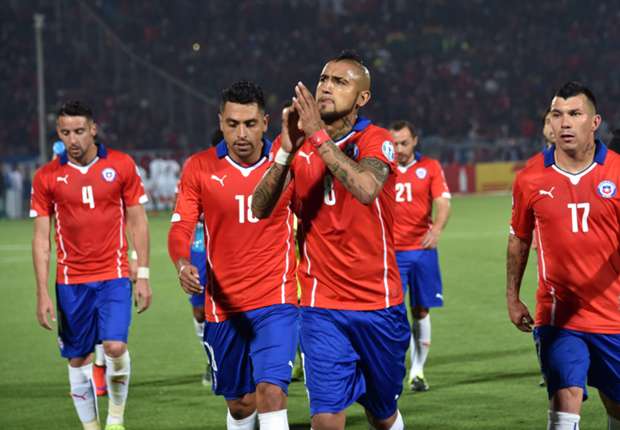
93 129
266 119
362 99
596 122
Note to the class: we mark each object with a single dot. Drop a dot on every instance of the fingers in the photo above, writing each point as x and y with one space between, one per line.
145 296
42 317
190 280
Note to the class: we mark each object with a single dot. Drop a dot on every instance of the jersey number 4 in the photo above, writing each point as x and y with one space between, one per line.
574 215
87 196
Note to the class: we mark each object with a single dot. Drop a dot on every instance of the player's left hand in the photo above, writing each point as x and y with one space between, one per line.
143 295
430 239
308 110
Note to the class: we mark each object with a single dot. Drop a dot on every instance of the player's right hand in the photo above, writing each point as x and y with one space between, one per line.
190 279
292 136
520 315
45 310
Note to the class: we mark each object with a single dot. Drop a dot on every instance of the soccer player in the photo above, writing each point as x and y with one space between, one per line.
251 327
354 330
569 196
91 192
420 185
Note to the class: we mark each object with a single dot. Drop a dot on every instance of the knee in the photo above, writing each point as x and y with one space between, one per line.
114 349
270 397
567 399
243 407
419 313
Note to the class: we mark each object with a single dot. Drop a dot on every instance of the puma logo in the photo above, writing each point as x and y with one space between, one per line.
306 156
64 179
80 396
220 180
546 193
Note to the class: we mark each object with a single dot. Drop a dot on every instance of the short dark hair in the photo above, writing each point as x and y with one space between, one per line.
349 55
75 108
402 124
574 88
245 93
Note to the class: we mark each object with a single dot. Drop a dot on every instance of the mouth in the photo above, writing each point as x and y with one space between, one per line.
567 137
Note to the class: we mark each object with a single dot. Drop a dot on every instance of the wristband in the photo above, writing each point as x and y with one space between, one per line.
319 138
133 255
283 157
143 273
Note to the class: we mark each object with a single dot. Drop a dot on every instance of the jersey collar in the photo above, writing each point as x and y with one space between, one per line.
600 153
101 153
361 124
222 149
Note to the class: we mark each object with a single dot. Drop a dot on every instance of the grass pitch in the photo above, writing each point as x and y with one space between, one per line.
482 371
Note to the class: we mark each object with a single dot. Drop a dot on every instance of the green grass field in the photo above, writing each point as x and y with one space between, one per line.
483 372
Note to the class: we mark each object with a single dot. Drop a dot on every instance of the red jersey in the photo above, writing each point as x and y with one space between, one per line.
251 262
576 218
347 248
88 205
417 185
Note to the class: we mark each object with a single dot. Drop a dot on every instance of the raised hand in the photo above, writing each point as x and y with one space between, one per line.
308 110
292 137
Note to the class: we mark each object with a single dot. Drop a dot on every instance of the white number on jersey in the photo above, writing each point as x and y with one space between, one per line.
87 196
403 192
329 197
574 215
243 210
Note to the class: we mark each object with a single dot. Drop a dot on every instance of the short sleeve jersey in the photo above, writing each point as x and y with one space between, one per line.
88 205
577 222
251 262
417 185
347 248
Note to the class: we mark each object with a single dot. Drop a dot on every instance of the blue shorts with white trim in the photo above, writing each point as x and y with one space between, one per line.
570 358
252 347
353 356
419 269
92 312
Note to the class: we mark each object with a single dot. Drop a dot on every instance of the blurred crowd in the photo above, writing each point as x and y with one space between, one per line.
461 70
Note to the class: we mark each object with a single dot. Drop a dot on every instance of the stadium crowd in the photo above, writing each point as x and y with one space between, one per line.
461 69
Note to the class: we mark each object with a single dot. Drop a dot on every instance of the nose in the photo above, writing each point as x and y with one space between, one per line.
565 122
242 131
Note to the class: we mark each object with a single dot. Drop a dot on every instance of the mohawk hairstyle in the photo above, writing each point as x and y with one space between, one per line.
245 93
349 55
75 108
574 88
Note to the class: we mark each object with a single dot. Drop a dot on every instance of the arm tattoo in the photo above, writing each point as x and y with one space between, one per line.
354 176
378 168
269 189
516 260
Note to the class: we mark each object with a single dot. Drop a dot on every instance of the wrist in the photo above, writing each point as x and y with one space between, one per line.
283 157
143 273
318 138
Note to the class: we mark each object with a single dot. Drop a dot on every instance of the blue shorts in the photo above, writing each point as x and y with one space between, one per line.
571 358
198 258
92 312
420 270
353 356
252 347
